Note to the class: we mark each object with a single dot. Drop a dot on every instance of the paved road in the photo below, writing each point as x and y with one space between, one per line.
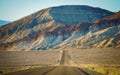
63 69
65 58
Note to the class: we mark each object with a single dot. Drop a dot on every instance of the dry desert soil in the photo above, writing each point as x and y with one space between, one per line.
95 61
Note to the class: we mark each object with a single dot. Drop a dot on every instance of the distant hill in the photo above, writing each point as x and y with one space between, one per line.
3 22
76 26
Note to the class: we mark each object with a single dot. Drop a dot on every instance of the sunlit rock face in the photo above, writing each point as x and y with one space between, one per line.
75 26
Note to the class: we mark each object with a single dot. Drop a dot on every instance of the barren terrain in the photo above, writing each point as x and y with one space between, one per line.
61 62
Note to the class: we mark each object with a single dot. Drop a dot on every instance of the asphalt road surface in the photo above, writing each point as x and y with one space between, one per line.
63 69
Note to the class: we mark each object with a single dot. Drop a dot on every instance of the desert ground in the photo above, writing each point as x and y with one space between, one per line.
94 61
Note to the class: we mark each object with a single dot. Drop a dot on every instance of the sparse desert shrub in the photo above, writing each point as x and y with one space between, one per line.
102 71
115 73
16 69
90 67
118 66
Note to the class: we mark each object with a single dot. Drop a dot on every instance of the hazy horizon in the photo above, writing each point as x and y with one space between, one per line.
12 10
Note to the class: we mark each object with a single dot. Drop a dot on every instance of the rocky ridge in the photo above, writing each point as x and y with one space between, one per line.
75 26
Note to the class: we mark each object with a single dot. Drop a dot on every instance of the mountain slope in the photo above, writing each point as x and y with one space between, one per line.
102 33
53 27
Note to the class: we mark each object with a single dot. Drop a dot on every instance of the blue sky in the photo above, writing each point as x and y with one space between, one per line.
11 10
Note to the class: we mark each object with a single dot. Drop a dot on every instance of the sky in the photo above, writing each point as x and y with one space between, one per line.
11 10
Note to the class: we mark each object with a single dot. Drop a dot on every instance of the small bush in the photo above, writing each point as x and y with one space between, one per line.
90 68
115 73
103 71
